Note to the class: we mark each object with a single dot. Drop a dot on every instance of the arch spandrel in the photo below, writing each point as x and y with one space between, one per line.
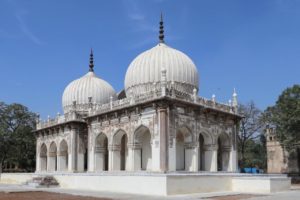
139 132
187 134
117 136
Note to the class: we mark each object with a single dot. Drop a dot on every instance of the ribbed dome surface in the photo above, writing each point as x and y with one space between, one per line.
146 68
82 89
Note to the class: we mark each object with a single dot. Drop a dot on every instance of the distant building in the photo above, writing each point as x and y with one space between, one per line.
279 159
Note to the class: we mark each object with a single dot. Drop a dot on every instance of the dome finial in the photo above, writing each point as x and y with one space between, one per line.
91 65
161 29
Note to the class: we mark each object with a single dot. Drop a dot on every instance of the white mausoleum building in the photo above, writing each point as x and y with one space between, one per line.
158 123
157 136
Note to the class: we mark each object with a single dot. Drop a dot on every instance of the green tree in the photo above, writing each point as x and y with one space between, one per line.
17 141
285 116
250 132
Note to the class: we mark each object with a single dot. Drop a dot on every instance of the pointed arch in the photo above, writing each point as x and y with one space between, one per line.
52 163
120 140
204 139
183 138
117 136
63 155
43 157
142 140
101 152
223 142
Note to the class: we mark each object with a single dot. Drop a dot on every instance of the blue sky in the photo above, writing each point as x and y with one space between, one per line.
252 45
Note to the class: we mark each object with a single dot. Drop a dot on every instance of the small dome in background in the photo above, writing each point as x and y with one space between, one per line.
85 90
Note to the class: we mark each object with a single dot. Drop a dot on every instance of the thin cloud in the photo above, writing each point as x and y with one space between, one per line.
25 29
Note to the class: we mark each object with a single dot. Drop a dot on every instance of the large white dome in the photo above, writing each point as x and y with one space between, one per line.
85 90
146 68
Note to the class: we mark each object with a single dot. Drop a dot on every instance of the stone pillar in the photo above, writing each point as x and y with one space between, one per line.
155 154
233 163
73 153
211 156
163 132
134 157
191 157
172 155
91 150
114 158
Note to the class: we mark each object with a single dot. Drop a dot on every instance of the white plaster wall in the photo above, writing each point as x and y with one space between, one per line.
155 155
260 184
160 184
172 156
148 185
280 184
197 184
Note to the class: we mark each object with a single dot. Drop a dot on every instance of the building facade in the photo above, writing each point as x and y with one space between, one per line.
158 123
279 160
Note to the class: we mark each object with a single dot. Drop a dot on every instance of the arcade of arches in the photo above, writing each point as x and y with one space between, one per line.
121 151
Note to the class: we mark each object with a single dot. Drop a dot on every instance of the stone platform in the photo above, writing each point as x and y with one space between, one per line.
161 184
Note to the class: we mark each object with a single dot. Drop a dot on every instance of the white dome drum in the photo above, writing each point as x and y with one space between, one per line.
86 90
145 70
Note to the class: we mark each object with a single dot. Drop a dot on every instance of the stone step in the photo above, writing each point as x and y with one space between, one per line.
43 181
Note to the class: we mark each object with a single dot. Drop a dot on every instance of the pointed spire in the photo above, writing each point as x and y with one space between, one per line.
161 30
91 65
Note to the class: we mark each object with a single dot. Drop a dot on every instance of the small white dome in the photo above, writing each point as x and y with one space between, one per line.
85 89
145 70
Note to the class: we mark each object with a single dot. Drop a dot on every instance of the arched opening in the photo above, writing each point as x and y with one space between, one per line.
142 140
201 153
124 151
63 156
120 154
52 157
183 157
223 152
101 153
43 157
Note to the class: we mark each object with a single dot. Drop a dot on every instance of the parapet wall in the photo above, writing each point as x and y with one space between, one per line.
162 184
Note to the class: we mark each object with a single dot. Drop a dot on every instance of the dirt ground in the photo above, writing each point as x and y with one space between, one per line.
43 196
233 197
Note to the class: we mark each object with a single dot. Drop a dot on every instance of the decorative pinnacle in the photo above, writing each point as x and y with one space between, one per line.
91 65
161 30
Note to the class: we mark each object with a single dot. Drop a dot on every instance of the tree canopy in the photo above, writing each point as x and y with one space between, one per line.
17 141
251 144
285 116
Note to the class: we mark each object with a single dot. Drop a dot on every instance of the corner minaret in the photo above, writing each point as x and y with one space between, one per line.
161 30
234 99
91 65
